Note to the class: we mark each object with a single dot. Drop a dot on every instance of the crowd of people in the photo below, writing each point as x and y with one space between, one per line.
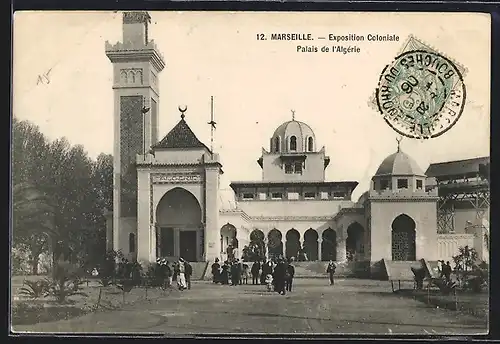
276 274
180 272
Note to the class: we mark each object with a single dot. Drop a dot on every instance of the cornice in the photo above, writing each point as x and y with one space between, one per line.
124 53
402 200
291 218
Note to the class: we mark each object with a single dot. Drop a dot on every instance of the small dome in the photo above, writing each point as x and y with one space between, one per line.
399 164
293 136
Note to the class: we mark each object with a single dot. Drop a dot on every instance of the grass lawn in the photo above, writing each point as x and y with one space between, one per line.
28 311
474 304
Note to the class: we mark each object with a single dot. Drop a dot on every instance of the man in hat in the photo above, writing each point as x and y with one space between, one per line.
216 271
181 277
330 270
290 272
188 272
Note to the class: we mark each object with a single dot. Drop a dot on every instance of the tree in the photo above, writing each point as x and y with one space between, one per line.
60 194
466 258
32 219
256 249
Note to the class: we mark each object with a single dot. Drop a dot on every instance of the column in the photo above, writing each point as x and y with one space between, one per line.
211 204
176 242
143 222
320 241
154 244
198 240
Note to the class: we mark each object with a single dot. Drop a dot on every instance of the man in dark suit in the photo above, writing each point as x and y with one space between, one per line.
290 272
188 272
330 270
255 272
279 277
216 271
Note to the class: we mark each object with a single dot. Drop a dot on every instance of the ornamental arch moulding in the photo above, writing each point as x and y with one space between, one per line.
160 191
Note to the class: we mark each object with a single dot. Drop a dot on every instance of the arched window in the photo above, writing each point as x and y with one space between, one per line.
310 144
131 77
123 77
293 143
277 144
131 242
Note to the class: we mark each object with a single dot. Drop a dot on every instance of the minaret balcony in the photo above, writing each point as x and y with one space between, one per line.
292 156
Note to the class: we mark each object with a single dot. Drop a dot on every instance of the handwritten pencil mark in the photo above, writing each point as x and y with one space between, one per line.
44 78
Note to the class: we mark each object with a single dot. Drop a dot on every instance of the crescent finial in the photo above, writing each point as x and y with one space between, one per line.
182 110
399 139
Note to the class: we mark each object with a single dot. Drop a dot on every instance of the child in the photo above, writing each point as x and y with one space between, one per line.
269 282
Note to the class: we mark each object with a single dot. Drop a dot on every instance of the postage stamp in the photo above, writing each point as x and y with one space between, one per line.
421 93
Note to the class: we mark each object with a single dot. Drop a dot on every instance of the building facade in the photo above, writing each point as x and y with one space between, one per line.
168 200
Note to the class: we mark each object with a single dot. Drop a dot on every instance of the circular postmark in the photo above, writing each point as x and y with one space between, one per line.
421 94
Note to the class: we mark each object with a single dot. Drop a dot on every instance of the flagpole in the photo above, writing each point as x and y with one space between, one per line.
212 126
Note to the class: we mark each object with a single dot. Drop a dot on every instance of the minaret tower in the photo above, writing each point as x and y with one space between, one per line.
136 65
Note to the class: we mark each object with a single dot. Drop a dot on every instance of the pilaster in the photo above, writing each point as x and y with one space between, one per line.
341 251
211 221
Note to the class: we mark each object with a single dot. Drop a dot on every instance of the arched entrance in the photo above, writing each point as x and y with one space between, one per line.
354 242
329 245
311 245
292 243
274 243
403 238
228 242
179 230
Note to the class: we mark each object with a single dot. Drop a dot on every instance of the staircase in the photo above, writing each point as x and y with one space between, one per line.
401 270
431 268
344 269
199 270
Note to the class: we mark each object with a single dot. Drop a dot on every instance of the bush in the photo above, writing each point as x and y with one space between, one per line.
65 282
35 289
471 275
107 269
130 271
24 312
156 274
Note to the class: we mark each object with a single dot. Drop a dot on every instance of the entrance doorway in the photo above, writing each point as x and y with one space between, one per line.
179 225
187 245
403 238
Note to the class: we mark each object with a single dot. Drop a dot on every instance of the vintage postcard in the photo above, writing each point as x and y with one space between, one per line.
188 173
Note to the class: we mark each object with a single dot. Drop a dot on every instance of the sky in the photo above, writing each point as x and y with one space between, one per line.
255 84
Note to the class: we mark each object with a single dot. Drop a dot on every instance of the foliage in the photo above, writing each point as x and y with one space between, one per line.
256 249
65 282
35 289
27 313
252 253
59 197
446 287
22 312
465 259
107 268
128 271
471 275
156 274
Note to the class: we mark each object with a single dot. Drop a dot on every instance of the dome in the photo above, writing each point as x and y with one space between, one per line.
293 136
400 164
